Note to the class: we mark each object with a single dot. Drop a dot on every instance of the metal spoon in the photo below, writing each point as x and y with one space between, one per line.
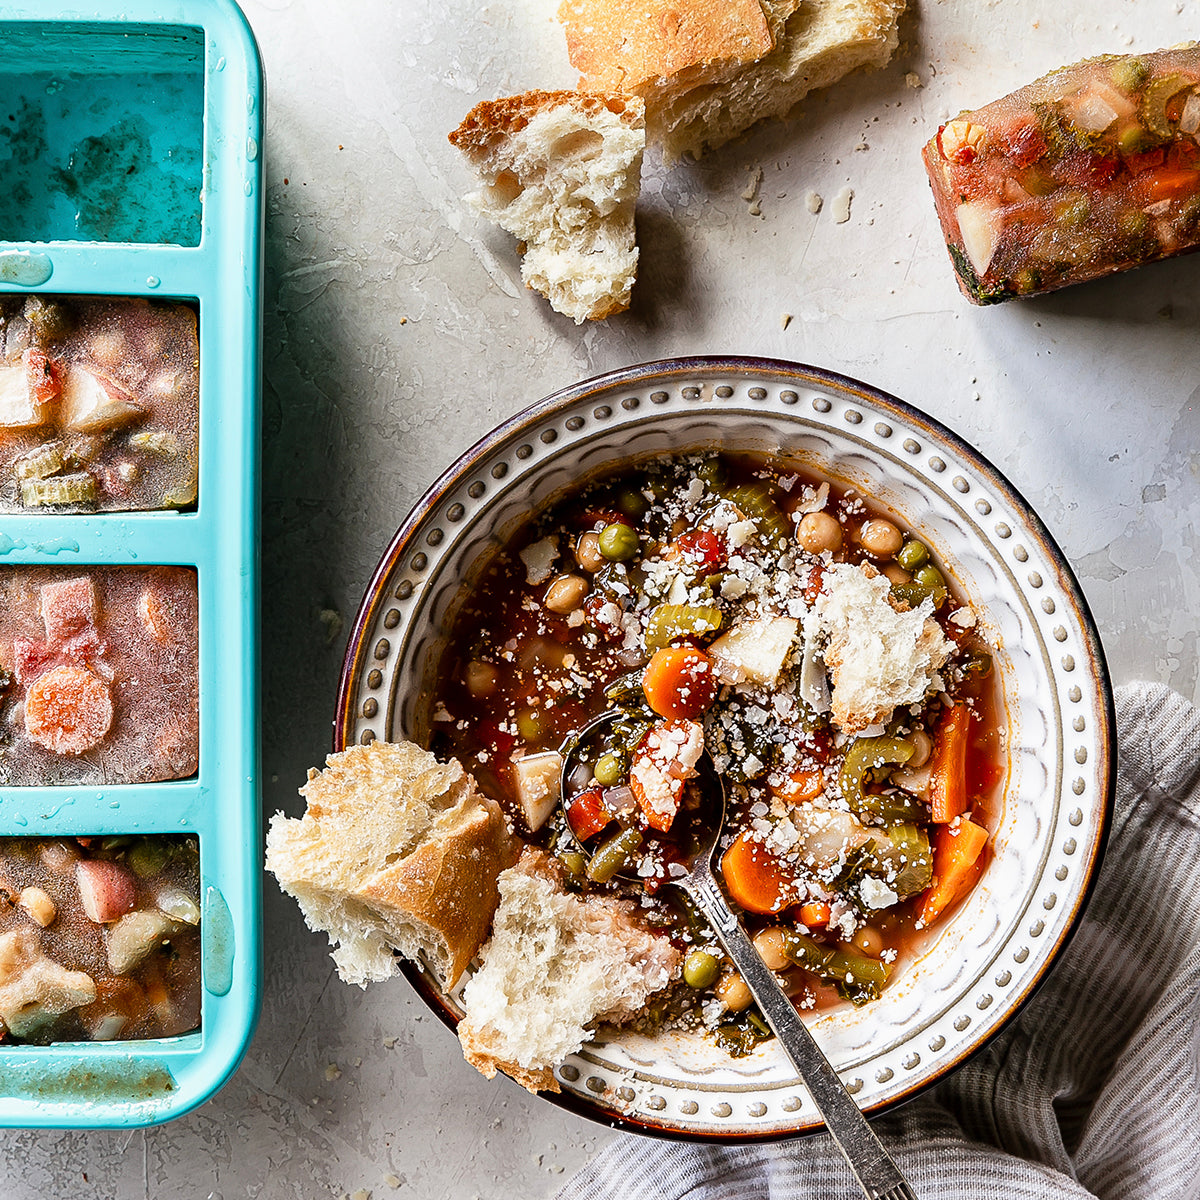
873 1168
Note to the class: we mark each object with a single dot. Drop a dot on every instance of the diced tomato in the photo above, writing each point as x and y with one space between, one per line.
596 519
1184 154
68 607
816 580
1022 145
30 659
679 681
1147 161
701 549
41 376
1085 169
588 814
602 614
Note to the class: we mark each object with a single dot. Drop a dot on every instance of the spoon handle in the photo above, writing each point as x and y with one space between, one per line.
877 1174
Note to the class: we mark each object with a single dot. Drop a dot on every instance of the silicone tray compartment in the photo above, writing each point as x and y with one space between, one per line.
181 83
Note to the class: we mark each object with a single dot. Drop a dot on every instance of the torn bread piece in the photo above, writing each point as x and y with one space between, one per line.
556 966
706 80
879 656
396 852
562 172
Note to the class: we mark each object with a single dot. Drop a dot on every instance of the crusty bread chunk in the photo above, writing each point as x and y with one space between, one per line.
556 965
703 81
879 657
562 172
396 852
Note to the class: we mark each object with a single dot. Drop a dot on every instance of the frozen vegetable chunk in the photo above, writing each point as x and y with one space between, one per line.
99 404
98 675
1090 170
99 938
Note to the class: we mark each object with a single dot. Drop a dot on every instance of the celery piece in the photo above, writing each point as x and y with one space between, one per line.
758 503
39 462
154 441
1158 94
668 622
864 756
859 978
60 489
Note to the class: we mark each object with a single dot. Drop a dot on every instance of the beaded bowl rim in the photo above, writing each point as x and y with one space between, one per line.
698 372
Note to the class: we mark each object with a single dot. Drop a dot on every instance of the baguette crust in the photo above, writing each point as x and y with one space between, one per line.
621 44
396 852
561 171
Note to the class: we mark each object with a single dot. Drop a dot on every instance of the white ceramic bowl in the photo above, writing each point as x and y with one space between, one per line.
987 960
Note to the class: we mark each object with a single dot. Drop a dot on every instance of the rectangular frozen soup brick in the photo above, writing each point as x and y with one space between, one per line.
98 675
1092 169
99 938
99 404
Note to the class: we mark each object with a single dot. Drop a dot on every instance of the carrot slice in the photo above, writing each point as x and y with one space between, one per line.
802 785
957 864
815 914
679 682
68 710
754 877
948 769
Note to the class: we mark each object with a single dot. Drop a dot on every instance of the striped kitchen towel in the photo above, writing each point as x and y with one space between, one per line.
1092 1091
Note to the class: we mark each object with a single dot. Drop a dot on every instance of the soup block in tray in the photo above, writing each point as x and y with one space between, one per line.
130 294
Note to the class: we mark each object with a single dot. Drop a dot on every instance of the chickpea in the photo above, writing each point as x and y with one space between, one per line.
772 948
587 552
869 940
819 531
733 992
896 574
480 678
880 538
38 905
565 593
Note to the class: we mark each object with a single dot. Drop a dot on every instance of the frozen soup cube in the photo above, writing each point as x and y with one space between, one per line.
98 675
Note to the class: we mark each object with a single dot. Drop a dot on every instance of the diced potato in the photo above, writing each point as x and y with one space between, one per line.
19 409
106 889
538 779
135 935
754 651
91 403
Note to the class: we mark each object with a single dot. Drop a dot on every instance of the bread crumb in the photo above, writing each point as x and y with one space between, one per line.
785 320
332 620
332 1072
913 80
393 1181
751 192
841 205
813 202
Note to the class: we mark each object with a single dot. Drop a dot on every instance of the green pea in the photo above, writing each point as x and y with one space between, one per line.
934 581
529 724
632 503
609 769
701 968
1129 73
1134 139
147 858
618 542
913 555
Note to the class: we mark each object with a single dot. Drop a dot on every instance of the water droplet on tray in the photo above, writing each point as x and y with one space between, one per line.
152 281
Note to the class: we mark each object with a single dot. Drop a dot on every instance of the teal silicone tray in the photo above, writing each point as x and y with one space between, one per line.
181 84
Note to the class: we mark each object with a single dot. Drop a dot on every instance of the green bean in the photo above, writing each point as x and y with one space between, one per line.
529 724
836 965
632 503
671 621
911 858
614 855
712 471
574 862
147 858
618 542
701 968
